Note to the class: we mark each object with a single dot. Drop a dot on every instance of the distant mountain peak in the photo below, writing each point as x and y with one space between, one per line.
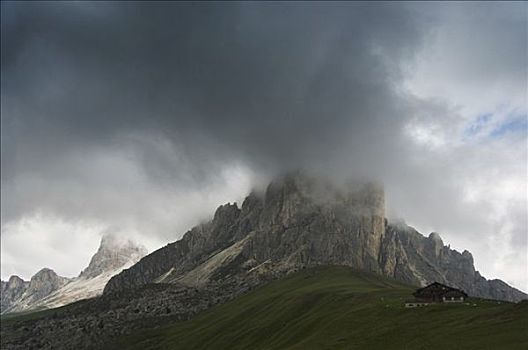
114 252
111 240
47 276
435 236
44 272
47 289
43 283
14 280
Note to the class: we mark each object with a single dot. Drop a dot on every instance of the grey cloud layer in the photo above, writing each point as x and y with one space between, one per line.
279 85
113 110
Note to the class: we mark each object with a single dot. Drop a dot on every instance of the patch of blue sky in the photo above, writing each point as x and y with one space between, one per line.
516 124
477 126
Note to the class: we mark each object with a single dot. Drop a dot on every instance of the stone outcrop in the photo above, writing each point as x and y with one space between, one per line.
114 252
302 221
410 257
12 290
42 284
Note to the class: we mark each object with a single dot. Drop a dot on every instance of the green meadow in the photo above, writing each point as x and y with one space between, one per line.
339 308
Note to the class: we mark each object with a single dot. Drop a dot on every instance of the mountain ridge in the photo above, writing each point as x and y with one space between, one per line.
303 221
46 289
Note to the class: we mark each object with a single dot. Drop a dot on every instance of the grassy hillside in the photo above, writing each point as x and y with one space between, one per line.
338 308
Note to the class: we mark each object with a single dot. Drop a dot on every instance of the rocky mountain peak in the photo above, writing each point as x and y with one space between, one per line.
15 281
302 221
47 289
297 185
46 276
19 295
44 273
466 254
44 282
13 289
435 236
226 211
436 243
114 252
298 194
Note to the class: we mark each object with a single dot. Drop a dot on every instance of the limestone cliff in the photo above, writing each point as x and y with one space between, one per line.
12 290
42 284
410 257
299 221
302 221
114 252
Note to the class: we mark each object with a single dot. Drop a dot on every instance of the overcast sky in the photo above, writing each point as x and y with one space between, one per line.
141 118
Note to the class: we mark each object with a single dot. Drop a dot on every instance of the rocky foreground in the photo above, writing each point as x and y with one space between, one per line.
95 323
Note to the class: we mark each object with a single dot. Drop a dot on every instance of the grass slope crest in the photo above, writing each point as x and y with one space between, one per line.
341 308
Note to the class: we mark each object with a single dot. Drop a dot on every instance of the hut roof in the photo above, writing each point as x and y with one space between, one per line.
439 288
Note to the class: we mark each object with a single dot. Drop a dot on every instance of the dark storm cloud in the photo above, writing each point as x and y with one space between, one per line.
147 115
278 85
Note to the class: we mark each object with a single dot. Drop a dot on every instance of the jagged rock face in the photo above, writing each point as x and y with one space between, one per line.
113 253
12 290
305 222
42 284
300 222
410 257
46 289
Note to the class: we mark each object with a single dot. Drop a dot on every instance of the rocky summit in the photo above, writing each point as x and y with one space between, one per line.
12 290
24 295
114 252
302 221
